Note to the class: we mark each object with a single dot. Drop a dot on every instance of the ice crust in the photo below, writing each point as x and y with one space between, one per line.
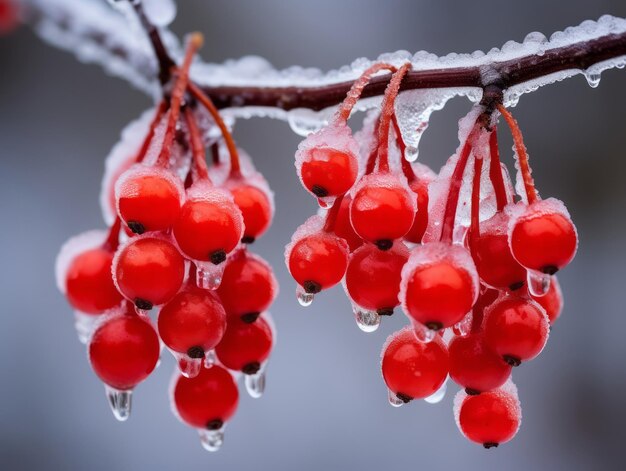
71 248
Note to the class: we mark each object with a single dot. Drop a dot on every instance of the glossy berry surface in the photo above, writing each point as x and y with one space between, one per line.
328 172
149 271
516 329
413 369
318 261
474 366
343 226
208 400
255 207
373 277
490 418
192 323
124 350
552 301
248 286
208 230
89 284
245 346
148 203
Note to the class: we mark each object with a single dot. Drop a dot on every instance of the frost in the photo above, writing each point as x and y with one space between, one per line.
73 247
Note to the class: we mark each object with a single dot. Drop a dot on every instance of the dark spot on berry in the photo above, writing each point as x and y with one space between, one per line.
472 392
511 360
250 317
386 311
251 368
516 286
404 398
384 244
312 287
136 227
195 352
214 424
143 304
550 270
490 445
319 191
434 326
217 257
247 239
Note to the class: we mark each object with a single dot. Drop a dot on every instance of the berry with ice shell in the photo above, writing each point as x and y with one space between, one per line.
516 329
148 271
255 201
245 346
343 227
419 186
124 349
413 369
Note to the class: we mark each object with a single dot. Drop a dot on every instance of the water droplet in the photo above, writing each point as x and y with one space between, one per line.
411 153
212 440
464 326
209 276
85 324
393 399
439 394
305 299
326 201
304 122
423 333
120 402
255 384
538 283
189 367
367 321
210 359
593 79
142 312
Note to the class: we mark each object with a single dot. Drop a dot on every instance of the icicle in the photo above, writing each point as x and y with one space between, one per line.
120 402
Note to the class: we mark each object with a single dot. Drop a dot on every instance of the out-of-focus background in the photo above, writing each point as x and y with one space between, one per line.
325 406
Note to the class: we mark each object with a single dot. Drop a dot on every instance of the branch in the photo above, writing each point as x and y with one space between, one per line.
252 83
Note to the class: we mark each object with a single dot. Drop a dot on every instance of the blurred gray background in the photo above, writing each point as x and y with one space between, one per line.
325 405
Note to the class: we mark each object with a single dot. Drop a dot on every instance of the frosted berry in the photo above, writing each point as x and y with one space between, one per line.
413 369
245 346
343 226
256 208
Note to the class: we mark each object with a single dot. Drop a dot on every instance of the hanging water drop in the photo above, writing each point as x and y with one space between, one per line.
304 122
439 394
255 384
422 333
210 359
120 402
411 153
142 312
189 367
593 79
394 400
538 283
209 276
464 326
305 299
212 440
367 321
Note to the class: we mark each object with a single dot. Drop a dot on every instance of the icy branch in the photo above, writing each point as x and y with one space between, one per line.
96 33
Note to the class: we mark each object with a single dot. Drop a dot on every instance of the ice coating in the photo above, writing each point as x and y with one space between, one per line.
435 252
71 248
160 12
124 187
122 156
311 226
257 180
384 180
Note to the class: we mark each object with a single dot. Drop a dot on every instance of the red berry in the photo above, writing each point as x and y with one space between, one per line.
149 271
516 329
343 227
413 369
439 285
89 284
373 277
210 225
543 237
9 19
382 209
192 323
208 400
124 350
256 208
148 198
245 346
492 254
490 418
318 261
474 366
419 185
552 301
248 286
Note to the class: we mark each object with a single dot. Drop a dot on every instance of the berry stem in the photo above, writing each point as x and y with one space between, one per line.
235 169
194 43
475 216
113 238
331 216
153 125
353 95
495 172
197 147
385 117
522 156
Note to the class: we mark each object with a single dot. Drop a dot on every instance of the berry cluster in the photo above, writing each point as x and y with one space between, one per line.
471 265
178 241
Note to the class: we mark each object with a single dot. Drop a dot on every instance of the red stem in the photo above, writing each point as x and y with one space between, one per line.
235 170
495 172
353 95
153 125
475 221
112 241
194 43
522 156
197 147
385 118
331 216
